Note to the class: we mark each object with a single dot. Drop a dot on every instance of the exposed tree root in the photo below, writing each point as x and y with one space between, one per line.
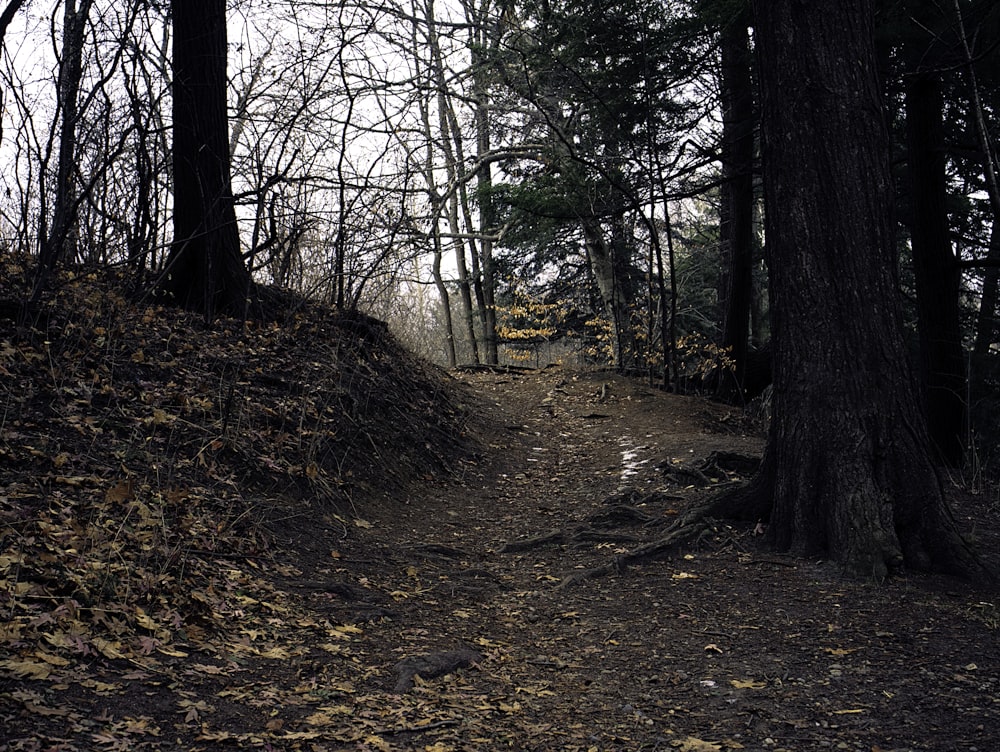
432 666
553 537
658 549
742 503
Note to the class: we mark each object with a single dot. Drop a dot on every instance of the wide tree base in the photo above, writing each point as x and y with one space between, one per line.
750 503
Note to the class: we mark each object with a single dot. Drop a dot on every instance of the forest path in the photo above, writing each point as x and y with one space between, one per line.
721 647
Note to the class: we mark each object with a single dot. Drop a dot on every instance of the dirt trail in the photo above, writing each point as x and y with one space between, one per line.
721 647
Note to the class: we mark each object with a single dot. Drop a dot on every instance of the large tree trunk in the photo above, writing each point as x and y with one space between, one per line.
206 270
938 277
849 468
736 230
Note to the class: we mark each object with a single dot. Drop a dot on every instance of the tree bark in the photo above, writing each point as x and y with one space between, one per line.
849 468
938 276
736 228
206 272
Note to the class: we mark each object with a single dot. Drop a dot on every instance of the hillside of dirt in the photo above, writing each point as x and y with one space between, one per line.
296 536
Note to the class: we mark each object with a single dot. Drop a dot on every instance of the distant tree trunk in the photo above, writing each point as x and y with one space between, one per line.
986 321
848 472
442 288
484 189
736 228
938 277
451 146
485 31
606 264
58 239
205 267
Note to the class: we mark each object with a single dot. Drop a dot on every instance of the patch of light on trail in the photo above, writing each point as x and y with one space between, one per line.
631 464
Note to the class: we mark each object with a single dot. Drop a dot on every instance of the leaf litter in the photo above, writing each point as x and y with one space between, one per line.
295 536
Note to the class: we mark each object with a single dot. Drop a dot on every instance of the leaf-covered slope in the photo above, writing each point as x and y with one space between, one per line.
138 449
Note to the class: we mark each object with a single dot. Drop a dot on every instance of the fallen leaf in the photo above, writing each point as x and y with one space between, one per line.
747 684
26 669
693 744
44 711
120 492
329 716
55 660
839 651
204 668
172 652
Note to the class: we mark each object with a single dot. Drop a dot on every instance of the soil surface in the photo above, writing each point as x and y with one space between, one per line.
453 611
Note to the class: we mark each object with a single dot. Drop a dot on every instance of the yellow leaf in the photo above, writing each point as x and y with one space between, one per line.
144 620
365 524
684 576
839 651
326 716
55 660
849 712
693 744
26 669
747 684
108 648
344 631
